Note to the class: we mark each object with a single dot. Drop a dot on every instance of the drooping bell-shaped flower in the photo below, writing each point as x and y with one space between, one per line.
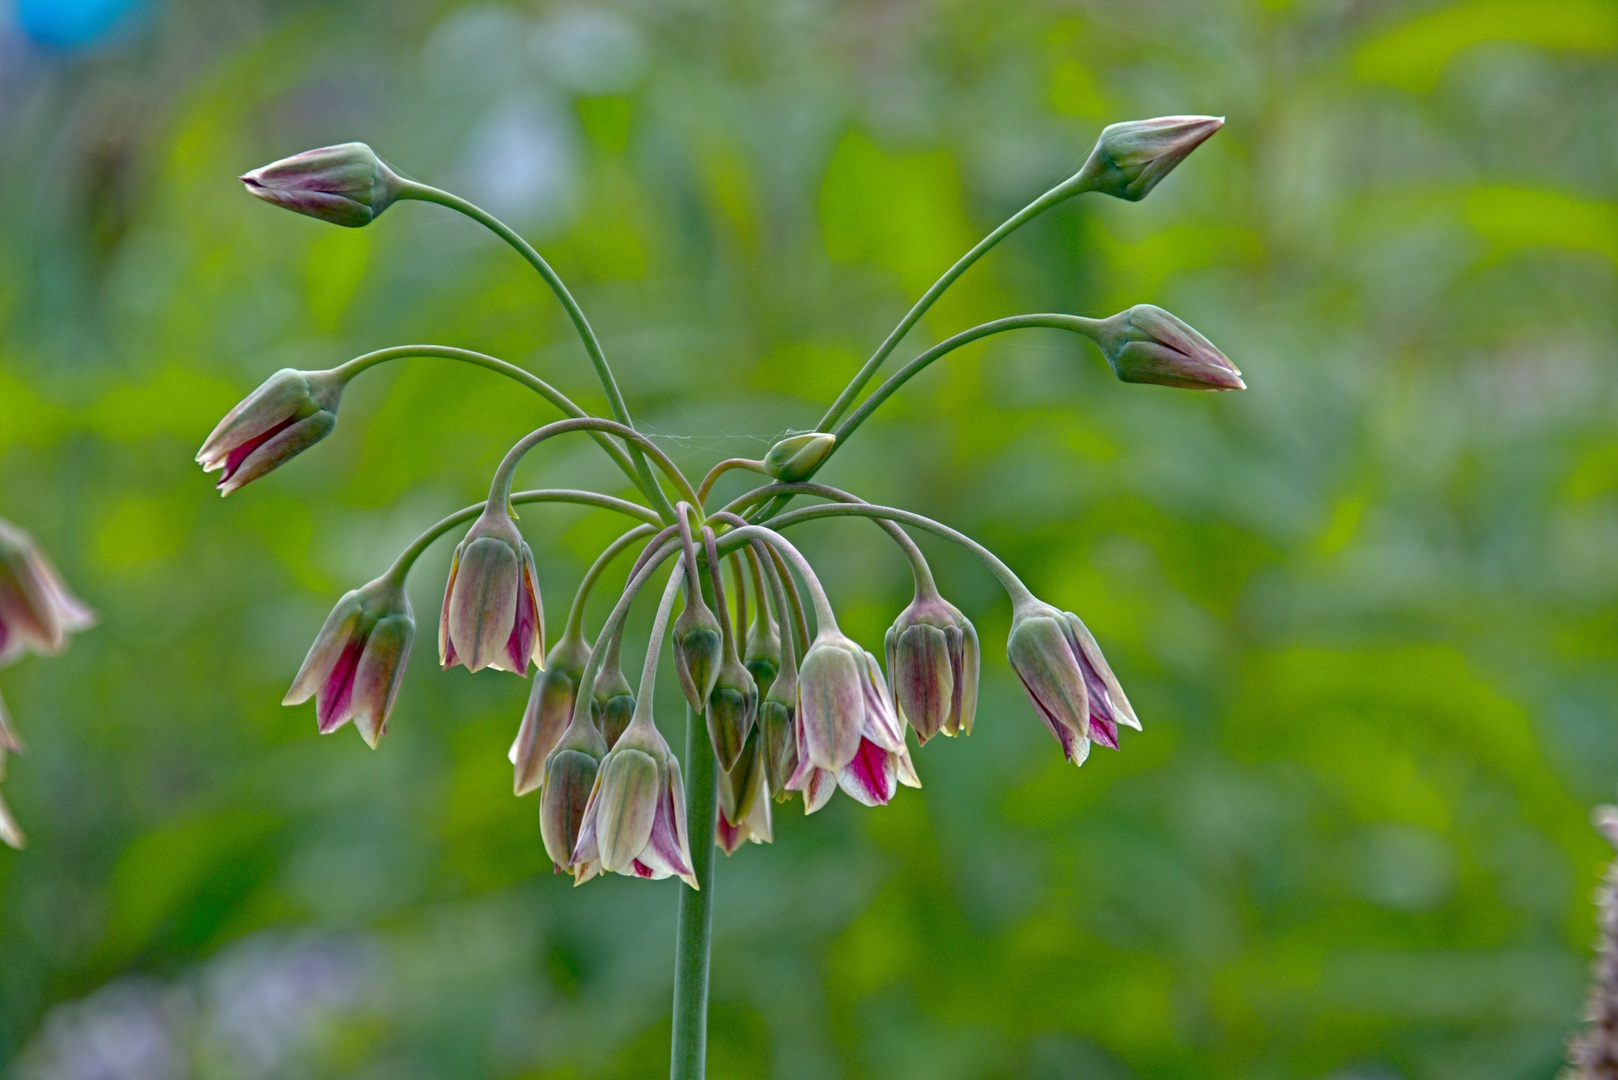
570 776
357 663
634 823
798 456
933 666
1073 689
847 701
1130 158
492 613
37 612
732 710
287 414
550 707
744 799
1146 344
345 184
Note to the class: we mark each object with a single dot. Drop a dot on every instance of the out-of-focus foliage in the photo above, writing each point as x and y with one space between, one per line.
1365 609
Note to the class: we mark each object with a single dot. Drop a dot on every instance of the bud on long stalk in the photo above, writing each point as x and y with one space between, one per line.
1131 158
345 184
550 708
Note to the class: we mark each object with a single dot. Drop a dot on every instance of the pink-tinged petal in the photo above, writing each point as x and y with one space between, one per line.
379 675
831 706
282 445
446 648
276 401
10 833
334 703
871 777
626 801
526 633
484 605
1075 747
587 848
1104 732
25 607
881 721
729 837
241 451
9 741
682 833
640 869
1096 667
334 635
71 612
906 769
818 789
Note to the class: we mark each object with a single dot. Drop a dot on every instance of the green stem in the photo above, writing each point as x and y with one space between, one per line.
1075 323
694 937
407 558
725 466
1068 188
615 399
510 371
1009 581
508 464
575 614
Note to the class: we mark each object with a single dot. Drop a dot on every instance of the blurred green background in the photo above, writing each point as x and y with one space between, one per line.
1365 609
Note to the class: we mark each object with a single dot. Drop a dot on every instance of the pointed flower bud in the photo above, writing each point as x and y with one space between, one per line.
698 649
550 707
355 667
732 710
1130 158
37 612
570 776
612 702
345 184
933 667
797 457
777 729
285 416
634 823
763 652
1073 689
744 800
1148 345
492 614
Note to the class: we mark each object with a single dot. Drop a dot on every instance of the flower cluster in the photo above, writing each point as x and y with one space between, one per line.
37 614
788 704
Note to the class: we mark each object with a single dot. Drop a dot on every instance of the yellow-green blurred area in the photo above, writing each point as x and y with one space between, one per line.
1365 610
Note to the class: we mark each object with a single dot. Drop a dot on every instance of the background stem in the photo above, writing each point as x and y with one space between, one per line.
695 933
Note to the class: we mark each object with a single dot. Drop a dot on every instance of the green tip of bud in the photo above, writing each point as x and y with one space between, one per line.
345 185
698 652
1130 159
796 458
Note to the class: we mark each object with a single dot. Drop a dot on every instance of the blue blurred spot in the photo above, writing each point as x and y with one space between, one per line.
68 24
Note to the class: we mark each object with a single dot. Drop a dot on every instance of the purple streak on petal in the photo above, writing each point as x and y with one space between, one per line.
240 453
520 646
1104 732
641 869
872 776
333 706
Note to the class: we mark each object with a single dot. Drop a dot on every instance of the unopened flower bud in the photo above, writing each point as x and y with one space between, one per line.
285 416
732 709
345 184
550 707
797 457
1130 158
37 613
1148 345
635 821
570 776
777 729
762 657
492 613
698 649
357 663
933 667
744 800
1068 680
612 702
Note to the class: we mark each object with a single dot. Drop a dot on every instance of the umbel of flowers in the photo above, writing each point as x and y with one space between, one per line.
37 614
779 704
